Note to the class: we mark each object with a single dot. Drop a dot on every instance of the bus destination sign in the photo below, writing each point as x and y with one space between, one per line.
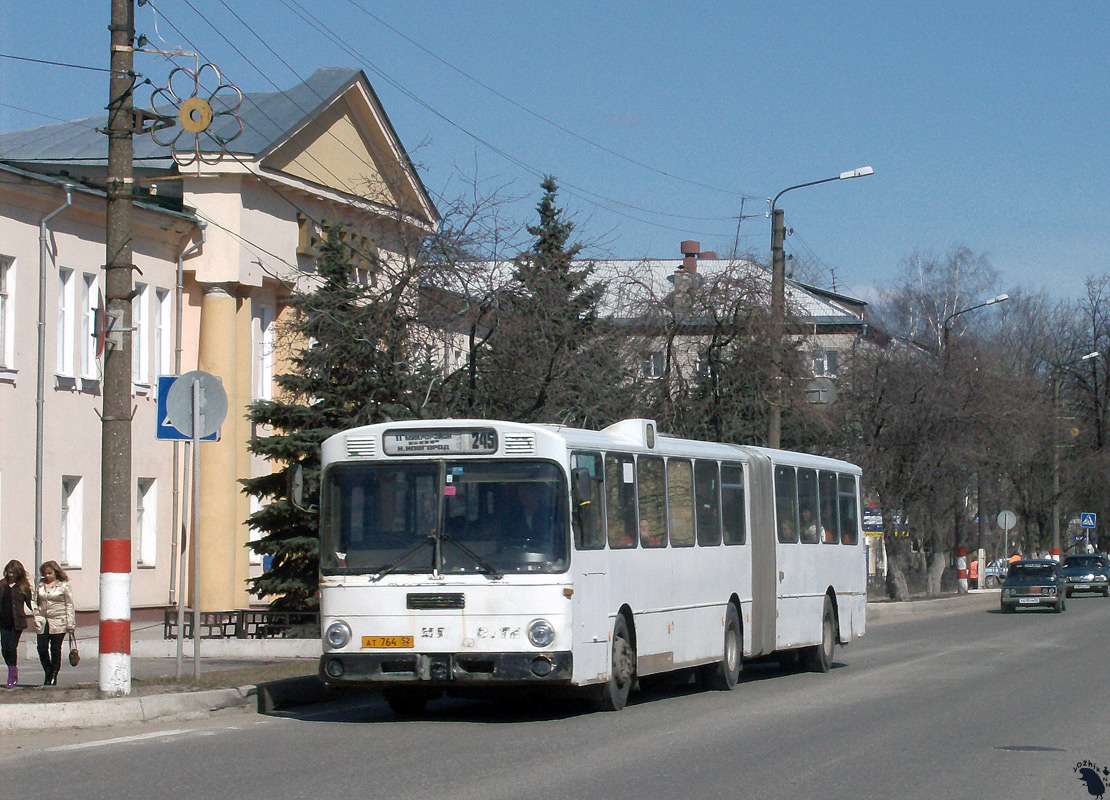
478 441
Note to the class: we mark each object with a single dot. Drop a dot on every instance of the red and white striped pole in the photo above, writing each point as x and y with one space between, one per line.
115 616
961 568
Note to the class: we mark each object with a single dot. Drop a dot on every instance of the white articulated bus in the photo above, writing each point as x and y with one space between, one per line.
462 554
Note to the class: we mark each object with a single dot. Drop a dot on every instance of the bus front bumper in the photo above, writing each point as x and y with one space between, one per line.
338 670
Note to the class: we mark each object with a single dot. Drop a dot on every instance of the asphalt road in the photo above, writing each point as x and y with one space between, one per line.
960 703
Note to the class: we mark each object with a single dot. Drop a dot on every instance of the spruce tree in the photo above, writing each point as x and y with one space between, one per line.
348 368
546 359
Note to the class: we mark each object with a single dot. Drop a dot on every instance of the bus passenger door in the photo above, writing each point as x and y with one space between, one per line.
592 626
764 562
589 570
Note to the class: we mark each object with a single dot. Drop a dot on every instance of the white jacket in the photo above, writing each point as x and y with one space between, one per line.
54 609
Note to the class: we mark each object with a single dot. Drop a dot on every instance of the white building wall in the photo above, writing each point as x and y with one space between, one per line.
72 428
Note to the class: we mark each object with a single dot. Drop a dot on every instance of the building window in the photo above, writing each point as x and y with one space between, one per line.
651 366
146 518
7 310
65 321
90 304
264 355
162 336
826 363
140 347
71 520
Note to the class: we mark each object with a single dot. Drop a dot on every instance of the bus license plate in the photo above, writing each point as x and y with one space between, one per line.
387 641
1022 600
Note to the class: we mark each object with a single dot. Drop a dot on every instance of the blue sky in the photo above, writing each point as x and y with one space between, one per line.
987 123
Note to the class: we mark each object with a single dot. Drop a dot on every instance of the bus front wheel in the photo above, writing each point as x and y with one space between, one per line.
725 674
818 658
613 694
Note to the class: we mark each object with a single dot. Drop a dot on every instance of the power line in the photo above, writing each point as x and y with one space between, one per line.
54 63
586 195
541 117
38 113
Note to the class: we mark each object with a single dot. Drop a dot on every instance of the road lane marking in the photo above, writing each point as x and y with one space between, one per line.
118 740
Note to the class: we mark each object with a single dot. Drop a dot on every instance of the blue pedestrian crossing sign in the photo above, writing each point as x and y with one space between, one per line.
1087 519
166 429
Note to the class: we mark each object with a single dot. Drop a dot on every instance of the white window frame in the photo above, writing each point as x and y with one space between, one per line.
140 336
7 312
146 521
652 365
90 307
66 322
163 332
264 355
255 534
71 523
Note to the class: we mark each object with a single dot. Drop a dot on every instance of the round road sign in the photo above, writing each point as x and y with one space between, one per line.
1007 519
213 403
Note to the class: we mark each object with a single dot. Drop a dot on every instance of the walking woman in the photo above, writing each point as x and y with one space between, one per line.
54 618
15 601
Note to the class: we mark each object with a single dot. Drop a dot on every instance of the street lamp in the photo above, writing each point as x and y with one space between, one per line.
778 291
947 327
1056 454
945 330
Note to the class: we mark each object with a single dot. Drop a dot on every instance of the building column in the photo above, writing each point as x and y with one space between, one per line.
221 528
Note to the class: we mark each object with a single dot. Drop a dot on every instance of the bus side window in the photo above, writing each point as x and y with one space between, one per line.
830 525
680 501
786 503
807 505
588 519
707 497
652 502
620 500
732 503
849 510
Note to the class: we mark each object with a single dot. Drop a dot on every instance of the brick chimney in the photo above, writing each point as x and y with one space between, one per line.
690 250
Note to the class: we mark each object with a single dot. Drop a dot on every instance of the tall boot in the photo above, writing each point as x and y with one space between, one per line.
13 676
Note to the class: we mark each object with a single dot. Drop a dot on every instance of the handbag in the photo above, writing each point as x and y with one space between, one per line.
74 655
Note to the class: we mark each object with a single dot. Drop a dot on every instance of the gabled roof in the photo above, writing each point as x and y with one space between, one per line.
631 280
269 119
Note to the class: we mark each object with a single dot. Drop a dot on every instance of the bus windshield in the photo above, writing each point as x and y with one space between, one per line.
454 517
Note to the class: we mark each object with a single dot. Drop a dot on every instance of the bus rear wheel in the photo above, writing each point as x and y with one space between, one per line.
725 674
818 658
613 694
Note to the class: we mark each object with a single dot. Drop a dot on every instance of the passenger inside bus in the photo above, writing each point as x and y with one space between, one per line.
828 523
526 516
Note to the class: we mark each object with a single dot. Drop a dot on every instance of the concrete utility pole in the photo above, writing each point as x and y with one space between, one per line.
778 298
115 468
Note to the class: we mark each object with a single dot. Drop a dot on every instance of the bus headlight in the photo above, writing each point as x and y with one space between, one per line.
337 635
541 633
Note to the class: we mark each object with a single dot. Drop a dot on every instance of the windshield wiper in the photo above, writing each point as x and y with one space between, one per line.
490 572
392 565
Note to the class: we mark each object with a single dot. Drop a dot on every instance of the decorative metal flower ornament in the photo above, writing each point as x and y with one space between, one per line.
190 140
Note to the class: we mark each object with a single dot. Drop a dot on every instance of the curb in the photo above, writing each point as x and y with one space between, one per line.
938 605
270 697
118 710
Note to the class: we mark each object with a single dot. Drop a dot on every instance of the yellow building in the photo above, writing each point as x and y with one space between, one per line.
244 231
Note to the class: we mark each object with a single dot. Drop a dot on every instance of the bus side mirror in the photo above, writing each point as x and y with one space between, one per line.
581 487
294 485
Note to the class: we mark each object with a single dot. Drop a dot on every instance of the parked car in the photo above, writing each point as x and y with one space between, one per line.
995 572
1033 584
1087 573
